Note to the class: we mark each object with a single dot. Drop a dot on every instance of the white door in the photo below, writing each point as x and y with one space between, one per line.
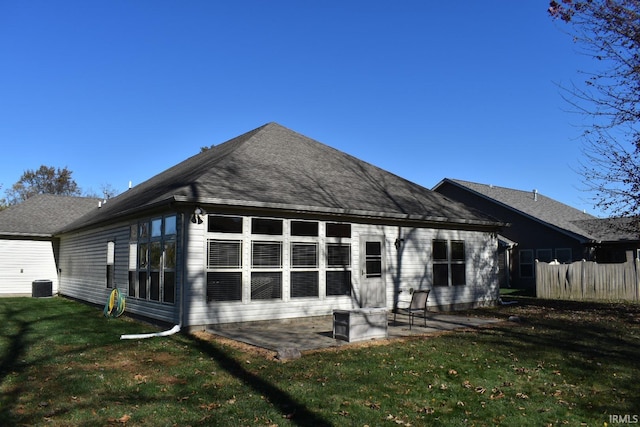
372 267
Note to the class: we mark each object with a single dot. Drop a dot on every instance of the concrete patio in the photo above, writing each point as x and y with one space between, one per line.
317 332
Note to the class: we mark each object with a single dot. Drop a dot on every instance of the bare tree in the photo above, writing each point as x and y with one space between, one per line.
609 32
45 180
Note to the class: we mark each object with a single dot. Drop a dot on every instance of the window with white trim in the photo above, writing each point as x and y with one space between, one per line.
449 263
526 263
152 259
544 255
111 270
266 259
304 270
224 258
564 255
338 259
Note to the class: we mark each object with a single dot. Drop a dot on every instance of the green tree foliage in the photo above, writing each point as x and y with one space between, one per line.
45 180
609 32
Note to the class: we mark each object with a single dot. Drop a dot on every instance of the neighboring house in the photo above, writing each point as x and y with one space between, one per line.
27 242
273 225
615 240
540 229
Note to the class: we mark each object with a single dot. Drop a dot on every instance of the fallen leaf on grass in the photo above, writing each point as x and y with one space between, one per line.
140 378
210 406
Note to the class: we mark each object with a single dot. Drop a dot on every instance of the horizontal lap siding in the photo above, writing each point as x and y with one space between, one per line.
199 312
83 261
411 267
24 261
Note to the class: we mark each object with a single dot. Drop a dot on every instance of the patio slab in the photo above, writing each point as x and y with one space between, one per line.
317 332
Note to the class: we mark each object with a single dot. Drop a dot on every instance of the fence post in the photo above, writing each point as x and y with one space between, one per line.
637 271
582 277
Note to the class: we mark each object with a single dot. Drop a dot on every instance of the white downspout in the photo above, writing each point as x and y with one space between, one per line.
177 327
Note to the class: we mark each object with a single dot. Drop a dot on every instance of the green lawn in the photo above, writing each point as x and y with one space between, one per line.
62 363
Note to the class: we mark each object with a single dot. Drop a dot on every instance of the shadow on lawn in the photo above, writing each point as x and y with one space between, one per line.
601 341
14 333
296 412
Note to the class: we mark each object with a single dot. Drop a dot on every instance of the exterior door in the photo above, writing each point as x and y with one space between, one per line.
372 268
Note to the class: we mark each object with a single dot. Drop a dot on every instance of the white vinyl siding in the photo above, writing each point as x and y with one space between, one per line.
24 261
289 291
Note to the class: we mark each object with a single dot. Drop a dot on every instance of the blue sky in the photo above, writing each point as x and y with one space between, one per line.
118 91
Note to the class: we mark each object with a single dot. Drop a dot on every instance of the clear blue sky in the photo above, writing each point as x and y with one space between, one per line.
120 90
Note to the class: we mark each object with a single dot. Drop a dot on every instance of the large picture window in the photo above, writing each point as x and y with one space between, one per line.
449 263
152 259
260 259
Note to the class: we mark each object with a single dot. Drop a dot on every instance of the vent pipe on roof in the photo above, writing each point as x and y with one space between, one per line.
129 185
535 194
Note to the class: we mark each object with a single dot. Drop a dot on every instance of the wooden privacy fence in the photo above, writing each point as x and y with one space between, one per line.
588 280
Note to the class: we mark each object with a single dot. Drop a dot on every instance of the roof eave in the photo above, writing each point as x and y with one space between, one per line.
582 239
340 212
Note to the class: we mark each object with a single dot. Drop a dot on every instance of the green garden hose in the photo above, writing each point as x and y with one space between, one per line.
115 304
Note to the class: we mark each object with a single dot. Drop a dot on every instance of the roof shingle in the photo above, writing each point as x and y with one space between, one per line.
44 214
274 167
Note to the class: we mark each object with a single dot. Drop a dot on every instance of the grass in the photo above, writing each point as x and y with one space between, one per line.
563 363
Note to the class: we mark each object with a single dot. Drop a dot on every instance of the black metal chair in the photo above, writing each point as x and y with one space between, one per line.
417 306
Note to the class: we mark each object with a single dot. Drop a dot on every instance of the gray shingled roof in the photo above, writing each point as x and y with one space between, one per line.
44 214
611 229
274 167
538 207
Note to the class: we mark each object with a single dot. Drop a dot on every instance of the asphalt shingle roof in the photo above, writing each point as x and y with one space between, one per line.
44 214
274 167
611 229
536 206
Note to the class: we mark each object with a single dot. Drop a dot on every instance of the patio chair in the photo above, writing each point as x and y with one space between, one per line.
417 306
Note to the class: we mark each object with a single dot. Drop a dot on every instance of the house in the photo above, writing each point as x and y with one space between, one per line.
28 247
541 229
272 225
615 240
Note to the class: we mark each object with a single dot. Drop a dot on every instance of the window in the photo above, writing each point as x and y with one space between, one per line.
111 254
338 283
224 286
266 254
271 227
304 284
526 263
338 274
224 224
373 259
544 255
304 256
266 285
338 230
338 255
152 259
449 263
304 228
563 255
224 254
